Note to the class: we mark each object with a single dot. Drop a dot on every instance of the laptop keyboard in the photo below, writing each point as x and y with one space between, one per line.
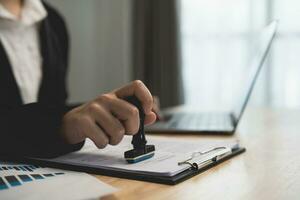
203 121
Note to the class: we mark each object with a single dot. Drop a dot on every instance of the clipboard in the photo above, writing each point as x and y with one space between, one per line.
196 161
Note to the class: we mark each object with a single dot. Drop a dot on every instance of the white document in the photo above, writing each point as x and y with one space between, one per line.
31 182
169 152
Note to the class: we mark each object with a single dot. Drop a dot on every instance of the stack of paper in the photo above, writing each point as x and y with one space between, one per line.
164 163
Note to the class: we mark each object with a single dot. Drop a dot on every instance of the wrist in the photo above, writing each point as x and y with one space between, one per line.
68 131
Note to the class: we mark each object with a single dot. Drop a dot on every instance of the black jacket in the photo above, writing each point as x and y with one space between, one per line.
33 129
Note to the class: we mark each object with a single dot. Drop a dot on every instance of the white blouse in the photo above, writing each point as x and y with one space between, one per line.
20 39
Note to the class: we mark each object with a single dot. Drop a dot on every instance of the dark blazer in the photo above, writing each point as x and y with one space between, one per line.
33 129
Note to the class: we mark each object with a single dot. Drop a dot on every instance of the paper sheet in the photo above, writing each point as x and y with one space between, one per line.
21 181
164 163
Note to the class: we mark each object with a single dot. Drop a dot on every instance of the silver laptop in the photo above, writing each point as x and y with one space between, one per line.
219 123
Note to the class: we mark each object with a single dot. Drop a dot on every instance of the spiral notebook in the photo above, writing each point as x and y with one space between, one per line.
175 160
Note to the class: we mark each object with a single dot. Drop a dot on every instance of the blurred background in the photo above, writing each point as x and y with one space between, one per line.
193 52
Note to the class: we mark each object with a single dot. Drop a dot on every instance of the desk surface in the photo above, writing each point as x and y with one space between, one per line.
270 169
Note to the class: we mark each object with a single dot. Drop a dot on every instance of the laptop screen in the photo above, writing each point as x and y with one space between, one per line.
265 39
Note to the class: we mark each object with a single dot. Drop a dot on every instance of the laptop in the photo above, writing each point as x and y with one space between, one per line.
219 123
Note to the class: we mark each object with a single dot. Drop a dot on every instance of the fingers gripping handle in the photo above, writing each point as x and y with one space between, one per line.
138 140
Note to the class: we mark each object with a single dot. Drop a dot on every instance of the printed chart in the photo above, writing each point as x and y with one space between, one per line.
32 182
13 175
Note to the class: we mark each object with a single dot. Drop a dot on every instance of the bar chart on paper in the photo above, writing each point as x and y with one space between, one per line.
31 182
13 175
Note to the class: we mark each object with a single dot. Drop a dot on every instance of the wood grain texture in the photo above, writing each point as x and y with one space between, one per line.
270 169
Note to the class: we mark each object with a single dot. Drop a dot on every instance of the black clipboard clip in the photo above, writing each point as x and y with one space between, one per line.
201 159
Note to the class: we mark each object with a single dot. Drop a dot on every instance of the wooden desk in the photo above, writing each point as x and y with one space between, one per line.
270 169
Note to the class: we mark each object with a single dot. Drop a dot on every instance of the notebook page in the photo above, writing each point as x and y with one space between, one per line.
164 163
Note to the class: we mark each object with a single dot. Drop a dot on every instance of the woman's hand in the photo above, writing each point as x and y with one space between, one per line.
106 119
